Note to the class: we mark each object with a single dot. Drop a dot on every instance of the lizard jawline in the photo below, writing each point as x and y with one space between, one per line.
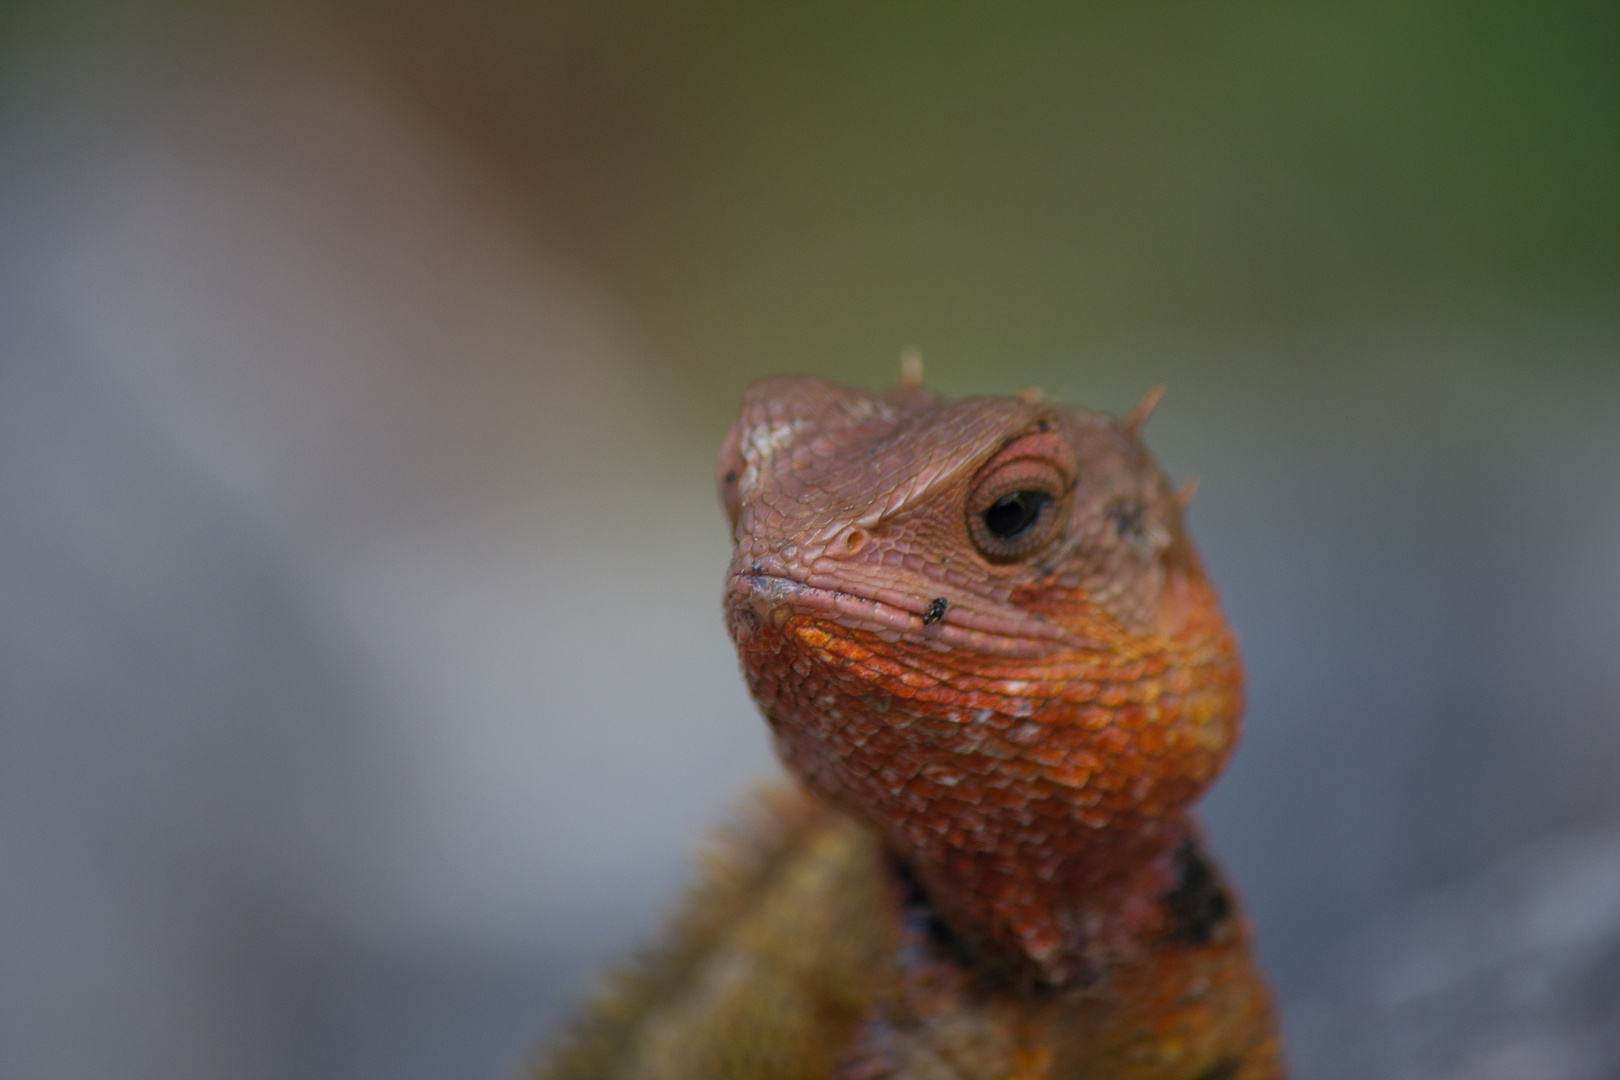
988 634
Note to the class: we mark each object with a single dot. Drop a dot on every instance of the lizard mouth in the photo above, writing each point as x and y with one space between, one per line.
893 617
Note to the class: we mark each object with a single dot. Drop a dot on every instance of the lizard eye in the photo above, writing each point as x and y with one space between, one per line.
1011 516
1014 512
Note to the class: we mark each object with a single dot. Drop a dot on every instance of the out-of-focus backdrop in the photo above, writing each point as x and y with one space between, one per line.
362 683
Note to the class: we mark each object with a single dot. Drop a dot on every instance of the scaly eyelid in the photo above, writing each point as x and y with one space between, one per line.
1043 445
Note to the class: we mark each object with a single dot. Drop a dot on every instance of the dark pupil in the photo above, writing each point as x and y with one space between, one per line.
1011 515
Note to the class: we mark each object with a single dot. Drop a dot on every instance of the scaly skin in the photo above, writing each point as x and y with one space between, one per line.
1023 718
1006 704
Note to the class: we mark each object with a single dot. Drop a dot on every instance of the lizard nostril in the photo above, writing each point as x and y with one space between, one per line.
854 541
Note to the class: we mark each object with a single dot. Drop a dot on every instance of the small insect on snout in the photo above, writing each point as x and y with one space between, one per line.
936 611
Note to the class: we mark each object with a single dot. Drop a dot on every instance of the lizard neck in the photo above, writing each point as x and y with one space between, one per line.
1040 802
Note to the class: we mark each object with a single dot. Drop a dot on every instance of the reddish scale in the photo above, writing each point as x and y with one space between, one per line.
1038 798
1026 814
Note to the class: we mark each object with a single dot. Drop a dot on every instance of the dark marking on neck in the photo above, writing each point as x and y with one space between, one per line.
1199 905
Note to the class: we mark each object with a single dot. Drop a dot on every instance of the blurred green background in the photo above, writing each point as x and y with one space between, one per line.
362 685
1038 193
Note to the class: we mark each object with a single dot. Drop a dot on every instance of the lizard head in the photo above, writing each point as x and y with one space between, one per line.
980 625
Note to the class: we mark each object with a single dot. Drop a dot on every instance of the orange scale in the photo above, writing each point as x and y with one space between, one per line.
1131 717
846 650
927 796
929 661
1146 689
1024 770
883 664
884 741
1071 776
968 796
863 767
1097 818
937 693
839 743
947 776
1113 740
1090 795
810 635
1047 688
1152 740
984 701
1079 748
1051 754
998 750
967 683
1095 719
912 757
915 800
999 721
1114 694
895 779
1111 779
969 818
1086 759
1141 665
1066 667
916 680
1006 798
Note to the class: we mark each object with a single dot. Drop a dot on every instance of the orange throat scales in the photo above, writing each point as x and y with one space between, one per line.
1040 801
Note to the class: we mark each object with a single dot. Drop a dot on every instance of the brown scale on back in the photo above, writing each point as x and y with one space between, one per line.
979 628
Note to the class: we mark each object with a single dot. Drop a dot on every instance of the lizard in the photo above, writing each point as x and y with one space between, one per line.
988 652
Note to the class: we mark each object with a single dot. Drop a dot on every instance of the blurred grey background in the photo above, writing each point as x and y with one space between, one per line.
362 683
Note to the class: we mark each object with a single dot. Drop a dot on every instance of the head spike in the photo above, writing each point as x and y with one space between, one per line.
1032 395
1132 421
1185 493
911 368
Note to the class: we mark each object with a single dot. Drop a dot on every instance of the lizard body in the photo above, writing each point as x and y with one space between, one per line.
984 642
